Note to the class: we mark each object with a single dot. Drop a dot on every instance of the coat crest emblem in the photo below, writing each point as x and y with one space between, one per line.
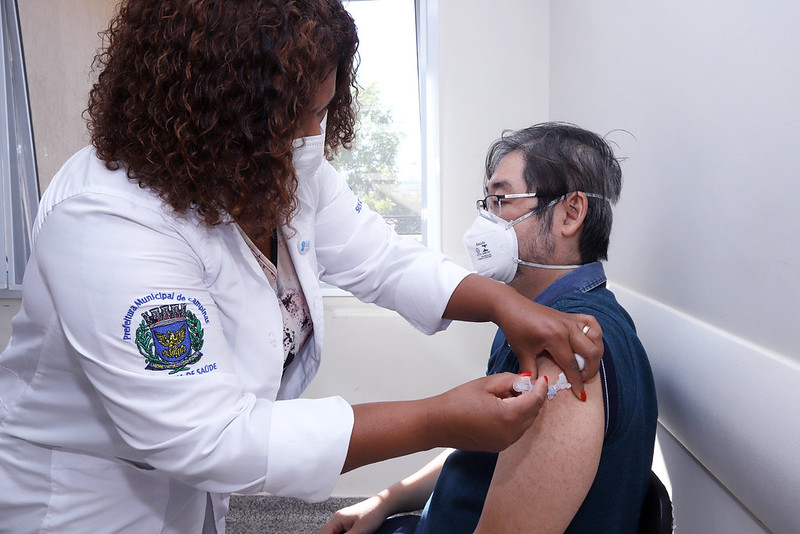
170 338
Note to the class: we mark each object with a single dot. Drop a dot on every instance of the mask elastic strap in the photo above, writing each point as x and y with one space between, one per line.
543 266
534 211
601 197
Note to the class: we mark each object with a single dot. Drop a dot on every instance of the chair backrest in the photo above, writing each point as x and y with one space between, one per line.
656 516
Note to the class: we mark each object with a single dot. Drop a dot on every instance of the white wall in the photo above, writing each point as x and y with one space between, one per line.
705 249
60 40
493 76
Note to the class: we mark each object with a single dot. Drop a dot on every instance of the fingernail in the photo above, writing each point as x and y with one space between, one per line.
583 395
546 380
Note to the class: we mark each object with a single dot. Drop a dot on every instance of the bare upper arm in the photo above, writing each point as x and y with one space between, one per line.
540 481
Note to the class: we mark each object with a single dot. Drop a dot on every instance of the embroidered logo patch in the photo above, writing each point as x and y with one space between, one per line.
170 338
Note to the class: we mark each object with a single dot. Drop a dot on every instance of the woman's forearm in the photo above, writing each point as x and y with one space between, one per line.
479 415
474 299
389 429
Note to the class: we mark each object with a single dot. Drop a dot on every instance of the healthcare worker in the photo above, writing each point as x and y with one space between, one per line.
171 309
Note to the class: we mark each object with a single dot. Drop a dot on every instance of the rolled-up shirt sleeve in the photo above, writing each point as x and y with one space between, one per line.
306 452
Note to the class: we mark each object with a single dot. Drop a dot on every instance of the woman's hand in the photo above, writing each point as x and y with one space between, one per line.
481 415
532 330
361 518
485 415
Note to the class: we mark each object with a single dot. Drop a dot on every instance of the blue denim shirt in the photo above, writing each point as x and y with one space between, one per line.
614 500
583 279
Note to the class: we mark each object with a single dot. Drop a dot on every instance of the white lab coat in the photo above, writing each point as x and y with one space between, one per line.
92 440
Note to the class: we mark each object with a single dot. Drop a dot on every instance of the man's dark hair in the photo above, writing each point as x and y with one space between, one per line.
561 158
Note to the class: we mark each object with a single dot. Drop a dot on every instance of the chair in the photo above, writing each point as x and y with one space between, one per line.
656 515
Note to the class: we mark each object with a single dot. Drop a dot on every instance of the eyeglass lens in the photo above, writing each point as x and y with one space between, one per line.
493 204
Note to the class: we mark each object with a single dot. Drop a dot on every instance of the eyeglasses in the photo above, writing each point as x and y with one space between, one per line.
494 203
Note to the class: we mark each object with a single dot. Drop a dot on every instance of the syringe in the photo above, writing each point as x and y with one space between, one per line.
523 383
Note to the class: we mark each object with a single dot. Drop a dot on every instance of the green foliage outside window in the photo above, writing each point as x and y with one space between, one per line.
371 164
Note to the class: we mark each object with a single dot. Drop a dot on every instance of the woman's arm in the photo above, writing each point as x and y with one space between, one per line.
540 481
479 415
531 329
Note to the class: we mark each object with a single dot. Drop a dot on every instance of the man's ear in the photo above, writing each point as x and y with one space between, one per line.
575 207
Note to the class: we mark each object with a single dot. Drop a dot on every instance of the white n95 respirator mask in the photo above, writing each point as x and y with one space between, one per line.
308 153
491 245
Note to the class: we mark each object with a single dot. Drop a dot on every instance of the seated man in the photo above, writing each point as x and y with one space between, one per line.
583 466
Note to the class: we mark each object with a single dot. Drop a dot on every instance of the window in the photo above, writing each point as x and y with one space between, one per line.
19 188
390 164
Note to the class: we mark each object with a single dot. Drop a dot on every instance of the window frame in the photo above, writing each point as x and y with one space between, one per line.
427 12
19 182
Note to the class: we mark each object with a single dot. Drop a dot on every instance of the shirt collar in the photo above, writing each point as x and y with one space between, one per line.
583 279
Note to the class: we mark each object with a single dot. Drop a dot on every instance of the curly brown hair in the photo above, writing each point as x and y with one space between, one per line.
200 100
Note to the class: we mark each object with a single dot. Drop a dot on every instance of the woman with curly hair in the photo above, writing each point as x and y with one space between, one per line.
171 309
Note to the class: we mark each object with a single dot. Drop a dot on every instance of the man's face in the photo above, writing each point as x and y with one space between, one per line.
508 179
534 238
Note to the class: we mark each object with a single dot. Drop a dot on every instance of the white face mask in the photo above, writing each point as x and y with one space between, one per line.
309 152
492 245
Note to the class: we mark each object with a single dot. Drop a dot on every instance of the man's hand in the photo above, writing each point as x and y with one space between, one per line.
364 517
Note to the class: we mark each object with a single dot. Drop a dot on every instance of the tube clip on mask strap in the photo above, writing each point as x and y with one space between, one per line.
492 246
